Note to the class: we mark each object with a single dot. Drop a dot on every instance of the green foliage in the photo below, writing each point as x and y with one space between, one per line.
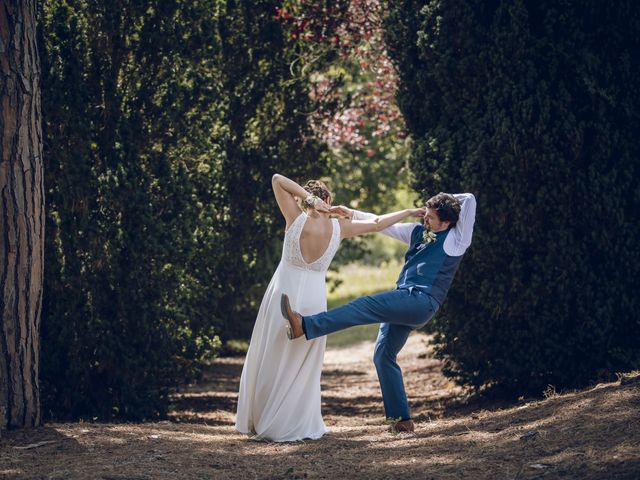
532 106
368 169
354 114
163 124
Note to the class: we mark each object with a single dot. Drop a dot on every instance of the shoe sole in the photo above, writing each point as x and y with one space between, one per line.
283 309
402 429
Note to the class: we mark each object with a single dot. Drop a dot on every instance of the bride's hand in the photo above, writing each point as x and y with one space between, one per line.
342 211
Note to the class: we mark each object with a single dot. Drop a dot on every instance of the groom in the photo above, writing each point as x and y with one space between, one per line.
435 249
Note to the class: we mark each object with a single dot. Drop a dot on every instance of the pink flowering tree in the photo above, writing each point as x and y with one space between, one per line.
354 84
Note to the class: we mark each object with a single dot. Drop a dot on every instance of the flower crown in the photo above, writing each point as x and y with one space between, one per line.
310 201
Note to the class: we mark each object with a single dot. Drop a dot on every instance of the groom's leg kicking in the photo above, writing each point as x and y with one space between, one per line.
391 339
399 306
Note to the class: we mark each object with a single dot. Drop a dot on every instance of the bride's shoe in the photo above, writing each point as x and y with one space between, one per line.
294 329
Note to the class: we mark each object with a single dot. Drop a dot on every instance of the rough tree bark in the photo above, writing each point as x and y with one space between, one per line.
21 215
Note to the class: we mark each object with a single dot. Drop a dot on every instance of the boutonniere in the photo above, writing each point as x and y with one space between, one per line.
428 236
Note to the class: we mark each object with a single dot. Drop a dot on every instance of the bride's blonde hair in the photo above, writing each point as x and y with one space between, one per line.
319 189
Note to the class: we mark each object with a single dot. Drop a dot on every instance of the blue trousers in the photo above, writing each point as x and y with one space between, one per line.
398 312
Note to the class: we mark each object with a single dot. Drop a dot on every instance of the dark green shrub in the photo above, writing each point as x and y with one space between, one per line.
532 106
163 123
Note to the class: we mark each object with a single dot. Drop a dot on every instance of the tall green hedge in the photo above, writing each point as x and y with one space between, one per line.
534 107
163 123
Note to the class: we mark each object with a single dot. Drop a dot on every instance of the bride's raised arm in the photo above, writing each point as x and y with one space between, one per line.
286 191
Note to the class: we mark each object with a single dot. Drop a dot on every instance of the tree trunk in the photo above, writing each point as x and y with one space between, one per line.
21 215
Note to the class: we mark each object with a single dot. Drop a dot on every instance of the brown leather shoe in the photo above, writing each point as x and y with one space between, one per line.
294 329
402 426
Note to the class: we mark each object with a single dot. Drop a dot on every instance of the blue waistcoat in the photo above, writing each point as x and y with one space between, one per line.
427 267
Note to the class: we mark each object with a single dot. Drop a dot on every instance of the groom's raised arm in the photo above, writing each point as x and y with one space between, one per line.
460 238
399 231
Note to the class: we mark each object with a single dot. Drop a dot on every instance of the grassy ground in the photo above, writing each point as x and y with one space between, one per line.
356 280
359 280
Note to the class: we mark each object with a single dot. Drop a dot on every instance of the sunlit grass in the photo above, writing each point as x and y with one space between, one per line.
359 280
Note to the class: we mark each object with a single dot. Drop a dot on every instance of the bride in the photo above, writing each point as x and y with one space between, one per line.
279 397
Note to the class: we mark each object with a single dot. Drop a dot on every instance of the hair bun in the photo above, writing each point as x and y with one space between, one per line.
319 189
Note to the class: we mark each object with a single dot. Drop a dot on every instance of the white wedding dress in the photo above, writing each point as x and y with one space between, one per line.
279 398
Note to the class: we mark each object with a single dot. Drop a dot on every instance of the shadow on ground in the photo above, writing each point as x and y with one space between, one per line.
587 435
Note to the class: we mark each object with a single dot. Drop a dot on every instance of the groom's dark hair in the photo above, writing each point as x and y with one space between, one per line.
319 189
446 206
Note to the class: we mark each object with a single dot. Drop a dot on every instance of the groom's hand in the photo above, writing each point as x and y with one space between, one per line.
418 212
342 211
321 206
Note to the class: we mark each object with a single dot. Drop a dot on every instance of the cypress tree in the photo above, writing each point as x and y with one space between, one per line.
532 106
163 123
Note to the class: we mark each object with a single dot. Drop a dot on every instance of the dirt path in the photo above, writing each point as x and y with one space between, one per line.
590 434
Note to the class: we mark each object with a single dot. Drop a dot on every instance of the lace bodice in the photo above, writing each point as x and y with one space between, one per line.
292 254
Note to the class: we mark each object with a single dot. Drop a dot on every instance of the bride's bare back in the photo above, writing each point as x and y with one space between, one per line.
315 237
